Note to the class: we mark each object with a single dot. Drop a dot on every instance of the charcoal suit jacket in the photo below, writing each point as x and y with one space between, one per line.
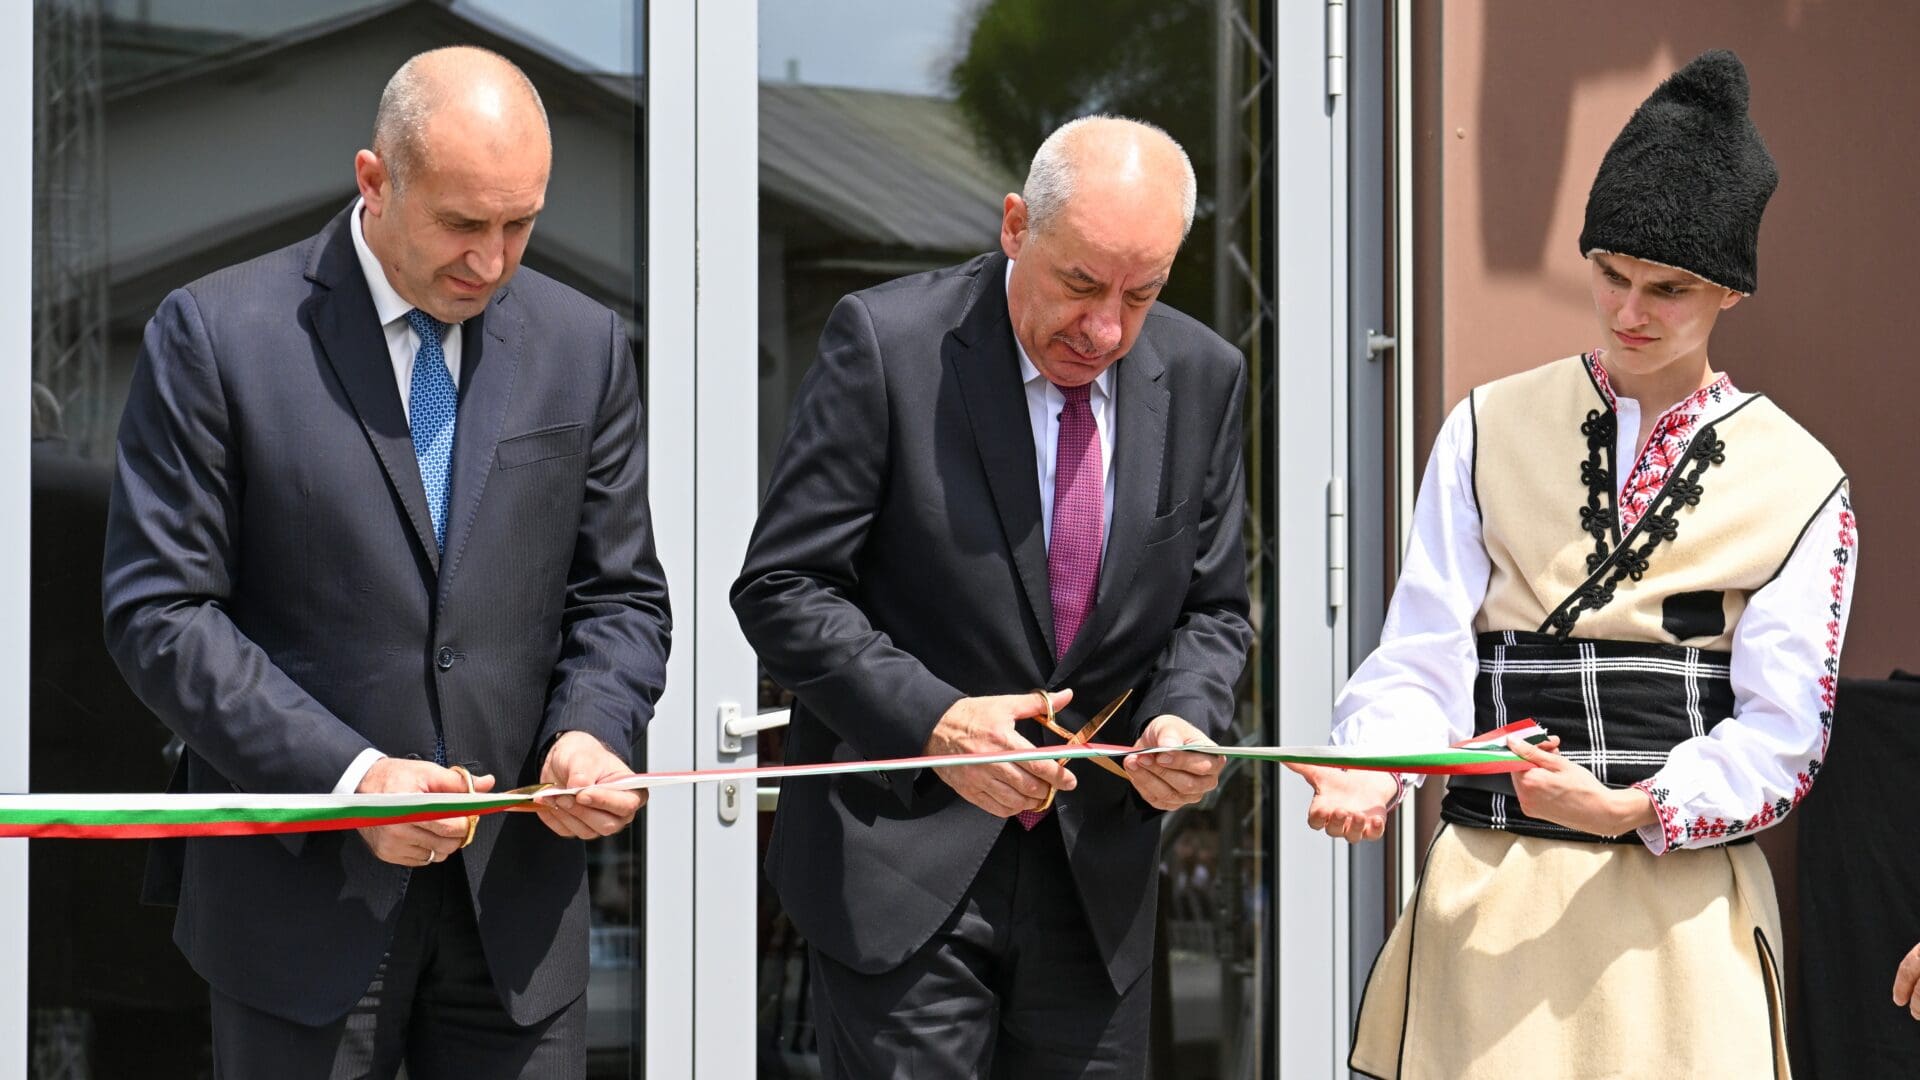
273 592
899 564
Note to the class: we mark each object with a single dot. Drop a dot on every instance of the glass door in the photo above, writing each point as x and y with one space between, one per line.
888 135
170 138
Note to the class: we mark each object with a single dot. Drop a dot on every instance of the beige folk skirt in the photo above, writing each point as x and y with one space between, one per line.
1523 957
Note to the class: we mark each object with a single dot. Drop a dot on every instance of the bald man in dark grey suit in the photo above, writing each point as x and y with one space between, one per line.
1019 472
378 512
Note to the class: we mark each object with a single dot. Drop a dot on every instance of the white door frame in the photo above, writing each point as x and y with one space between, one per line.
16 493
669 181
1311 915
727 460
702 851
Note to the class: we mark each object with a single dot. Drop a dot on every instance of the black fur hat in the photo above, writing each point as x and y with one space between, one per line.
1685 182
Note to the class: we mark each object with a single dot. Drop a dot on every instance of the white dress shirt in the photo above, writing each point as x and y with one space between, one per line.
402 344
1417 686
1044 402
391 310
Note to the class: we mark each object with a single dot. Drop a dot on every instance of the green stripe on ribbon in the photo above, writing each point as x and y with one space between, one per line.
148 816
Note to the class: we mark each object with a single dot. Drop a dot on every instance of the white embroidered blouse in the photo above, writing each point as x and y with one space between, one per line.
1743 775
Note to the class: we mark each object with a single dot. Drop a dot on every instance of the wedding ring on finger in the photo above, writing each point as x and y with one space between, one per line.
432 855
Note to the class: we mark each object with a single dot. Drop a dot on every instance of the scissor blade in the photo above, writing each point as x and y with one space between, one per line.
1100 718
1092 727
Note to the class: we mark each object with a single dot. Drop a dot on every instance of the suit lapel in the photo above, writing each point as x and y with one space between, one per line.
981 355
1139 448
489 363
344 322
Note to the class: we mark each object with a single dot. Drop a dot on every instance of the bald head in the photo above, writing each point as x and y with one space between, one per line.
1093 239
456 176
1107 152
454 93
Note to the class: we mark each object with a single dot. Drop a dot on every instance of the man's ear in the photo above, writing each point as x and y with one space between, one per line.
371 175
1013 225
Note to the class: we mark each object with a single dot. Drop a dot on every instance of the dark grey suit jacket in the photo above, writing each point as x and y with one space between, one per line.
899 564
273 593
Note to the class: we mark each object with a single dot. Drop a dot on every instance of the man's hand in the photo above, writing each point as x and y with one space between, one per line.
1171 781
1348 804
416 843
577 759
1904 982
1559 791
979 725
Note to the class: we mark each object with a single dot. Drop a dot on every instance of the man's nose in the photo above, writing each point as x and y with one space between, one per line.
489 259
1103 327
1631 314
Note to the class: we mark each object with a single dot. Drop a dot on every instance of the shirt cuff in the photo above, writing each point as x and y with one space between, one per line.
356 772
1663 833
1402 785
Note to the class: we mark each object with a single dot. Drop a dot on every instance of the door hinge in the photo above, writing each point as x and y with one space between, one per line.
1336 542
1336 47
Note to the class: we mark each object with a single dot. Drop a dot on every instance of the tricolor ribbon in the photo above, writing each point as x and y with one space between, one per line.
132 817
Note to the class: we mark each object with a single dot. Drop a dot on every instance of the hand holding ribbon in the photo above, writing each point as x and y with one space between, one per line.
578 760
977 725
1557 790
1170 781
417 843
1348 804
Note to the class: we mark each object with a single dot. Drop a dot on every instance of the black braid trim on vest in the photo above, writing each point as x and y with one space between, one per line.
1597 517
1660 525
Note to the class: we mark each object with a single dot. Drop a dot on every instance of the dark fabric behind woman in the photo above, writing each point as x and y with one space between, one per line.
1860 886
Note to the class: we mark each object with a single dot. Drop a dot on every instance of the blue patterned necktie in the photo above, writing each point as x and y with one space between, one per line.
433 404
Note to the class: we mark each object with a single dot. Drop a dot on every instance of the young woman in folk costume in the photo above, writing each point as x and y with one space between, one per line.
1657 567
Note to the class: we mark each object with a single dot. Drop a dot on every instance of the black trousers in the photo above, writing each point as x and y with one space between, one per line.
431 1006
1010 986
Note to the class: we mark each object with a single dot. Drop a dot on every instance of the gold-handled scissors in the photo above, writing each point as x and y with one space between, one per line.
473 820
1081 737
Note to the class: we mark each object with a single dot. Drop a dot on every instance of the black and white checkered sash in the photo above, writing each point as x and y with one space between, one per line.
1619 707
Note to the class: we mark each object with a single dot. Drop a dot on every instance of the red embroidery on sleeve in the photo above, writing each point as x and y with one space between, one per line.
1700 828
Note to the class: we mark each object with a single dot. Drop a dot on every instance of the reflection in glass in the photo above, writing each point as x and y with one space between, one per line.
172 138
889 134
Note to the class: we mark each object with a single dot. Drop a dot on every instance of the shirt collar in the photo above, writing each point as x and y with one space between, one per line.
1102 383
1692 405
387 304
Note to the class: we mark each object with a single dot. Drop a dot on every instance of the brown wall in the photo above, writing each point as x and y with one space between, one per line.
1531 94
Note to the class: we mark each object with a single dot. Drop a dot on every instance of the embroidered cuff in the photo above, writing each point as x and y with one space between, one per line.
1664 833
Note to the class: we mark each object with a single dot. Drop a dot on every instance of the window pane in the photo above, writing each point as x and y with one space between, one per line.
171 138
889 134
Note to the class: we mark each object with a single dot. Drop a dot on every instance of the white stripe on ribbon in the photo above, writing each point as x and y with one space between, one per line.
1490 752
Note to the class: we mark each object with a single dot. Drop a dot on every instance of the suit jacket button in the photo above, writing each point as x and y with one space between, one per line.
445 659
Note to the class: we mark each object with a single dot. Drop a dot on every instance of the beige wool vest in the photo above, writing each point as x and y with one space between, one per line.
1721 527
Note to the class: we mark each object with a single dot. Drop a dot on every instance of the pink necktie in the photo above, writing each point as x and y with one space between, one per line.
1079 512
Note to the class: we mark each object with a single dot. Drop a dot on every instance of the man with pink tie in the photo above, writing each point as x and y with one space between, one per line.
1021 472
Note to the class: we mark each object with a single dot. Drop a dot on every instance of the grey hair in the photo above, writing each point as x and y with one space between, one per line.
1050 177
411 95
